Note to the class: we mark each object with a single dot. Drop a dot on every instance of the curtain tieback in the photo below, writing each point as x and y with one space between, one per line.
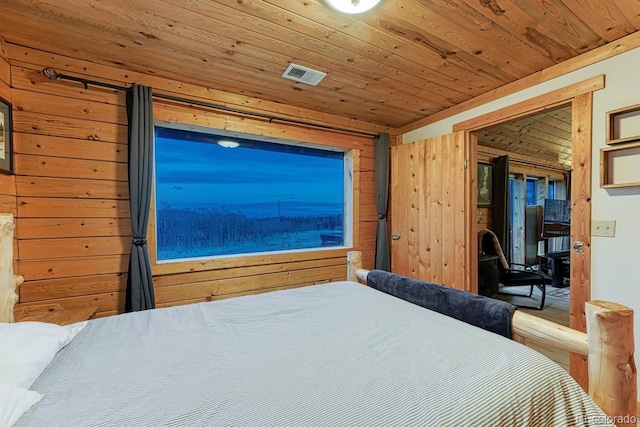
139 241
382 216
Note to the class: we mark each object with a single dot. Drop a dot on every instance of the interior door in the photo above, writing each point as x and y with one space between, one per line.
433 210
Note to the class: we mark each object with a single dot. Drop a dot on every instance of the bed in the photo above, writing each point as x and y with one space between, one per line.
337 354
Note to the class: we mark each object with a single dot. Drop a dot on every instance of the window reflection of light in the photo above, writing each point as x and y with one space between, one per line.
228 144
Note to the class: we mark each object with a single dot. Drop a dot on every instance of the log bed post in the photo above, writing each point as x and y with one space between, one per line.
608 343
8 281
612 369
354 263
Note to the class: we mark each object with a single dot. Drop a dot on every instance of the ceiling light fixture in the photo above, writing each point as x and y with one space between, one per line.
228 144
352 6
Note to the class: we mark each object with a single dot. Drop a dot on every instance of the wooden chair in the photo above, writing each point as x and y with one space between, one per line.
513 274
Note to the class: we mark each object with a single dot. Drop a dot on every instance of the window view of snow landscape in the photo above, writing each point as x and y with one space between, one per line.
225 196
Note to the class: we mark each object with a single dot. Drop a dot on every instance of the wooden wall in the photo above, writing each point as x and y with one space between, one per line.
73 221
7 182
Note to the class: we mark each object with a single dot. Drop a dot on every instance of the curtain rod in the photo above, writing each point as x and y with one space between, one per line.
52 74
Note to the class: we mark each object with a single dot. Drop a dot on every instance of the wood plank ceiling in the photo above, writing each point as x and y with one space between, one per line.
394 65
545 136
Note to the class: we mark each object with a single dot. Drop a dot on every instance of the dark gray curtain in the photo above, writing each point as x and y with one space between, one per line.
383 258
139 295
501 205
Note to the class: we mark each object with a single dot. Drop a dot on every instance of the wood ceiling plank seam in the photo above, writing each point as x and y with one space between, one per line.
549 132
477 72
562 114
520 145
529 137
256 62
366 112
631 9
413 86
540 123
397 46
448 64
512 30
525 134
531 154
604 16
280 60
345 58
485 150
555 121
509 16
561 21
394 35
463 30
547 123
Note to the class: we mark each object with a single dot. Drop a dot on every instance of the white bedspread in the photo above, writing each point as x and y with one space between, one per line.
338 354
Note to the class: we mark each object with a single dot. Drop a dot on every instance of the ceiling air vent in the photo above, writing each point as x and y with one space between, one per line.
303 74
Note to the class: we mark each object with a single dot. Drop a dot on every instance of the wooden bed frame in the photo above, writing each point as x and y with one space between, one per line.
608 343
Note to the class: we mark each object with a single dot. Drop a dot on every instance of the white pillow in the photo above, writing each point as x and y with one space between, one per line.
27 348
15 402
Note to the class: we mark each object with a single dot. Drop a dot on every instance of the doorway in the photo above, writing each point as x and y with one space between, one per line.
539 150
580 96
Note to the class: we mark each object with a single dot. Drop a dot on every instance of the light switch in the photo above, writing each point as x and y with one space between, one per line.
603 228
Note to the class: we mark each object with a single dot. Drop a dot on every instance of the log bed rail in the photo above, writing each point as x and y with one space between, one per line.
608 344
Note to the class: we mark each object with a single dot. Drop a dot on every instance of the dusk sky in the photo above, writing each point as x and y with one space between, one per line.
189 172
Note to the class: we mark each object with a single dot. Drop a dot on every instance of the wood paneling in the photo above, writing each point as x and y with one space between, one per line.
429 184
581 226
70 195
50 228
51 146
545 136
42 124
5 73
25 57
392 67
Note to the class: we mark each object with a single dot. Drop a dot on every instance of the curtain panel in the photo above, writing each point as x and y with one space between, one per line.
501 205
381 164
139 293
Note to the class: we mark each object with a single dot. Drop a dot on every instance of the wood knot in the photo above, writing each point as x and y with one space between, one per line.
629 369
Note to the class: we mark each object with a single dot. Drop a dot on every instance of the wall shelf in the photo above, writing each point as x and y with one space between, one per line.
619 166
623 125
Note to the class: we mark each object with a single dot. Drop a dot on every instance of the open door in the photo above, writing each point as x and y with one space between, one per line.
433 193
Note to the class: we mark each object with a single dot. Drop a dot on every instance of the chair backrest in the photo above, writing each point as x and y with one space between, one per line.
488 244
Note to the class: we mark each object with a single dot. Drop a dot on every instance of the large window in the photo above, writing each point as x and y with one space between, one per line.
218 194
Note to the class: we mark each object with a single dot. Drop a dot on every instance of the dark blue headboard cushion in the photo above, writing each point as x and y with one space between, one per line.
486 313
